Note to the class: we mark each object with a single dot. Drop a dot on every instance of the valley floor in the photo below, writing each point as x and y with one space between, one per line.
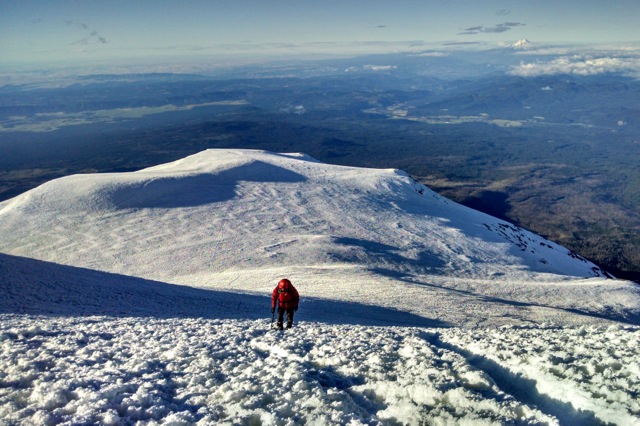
125 370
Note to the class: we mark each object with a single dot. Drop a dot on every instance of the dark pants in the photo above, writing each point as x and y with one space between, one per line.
281 317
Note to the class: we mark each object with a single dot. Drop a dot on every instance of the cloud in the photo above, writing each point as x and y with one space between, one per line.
472 30
330 47
380 67
73 23
432 54
498 28
580 65
92 38
461 43
371 68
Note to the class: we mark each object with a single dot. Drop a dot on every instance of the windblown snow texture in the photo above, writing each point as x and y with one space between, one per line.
235 209
105 370
144 298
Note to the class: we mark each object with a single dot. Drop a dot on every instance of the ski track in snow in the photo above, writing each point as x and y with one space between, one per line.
195 371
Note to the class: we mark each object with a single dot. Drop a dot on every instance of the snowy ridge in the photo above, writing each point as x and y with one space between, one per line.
522 44
144 298
272 209
236 220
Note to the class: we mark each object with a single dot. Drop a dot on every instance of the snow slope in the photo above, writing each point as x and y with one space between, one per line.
145 297
179 371
221 210
238 220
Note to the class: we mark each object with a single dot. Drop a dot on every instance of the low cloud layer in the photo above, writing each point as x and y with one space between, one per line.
581 65
372 68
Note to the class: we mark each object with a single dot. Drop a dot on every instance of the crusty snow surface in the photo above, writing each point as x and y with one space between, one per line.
185 371
145 298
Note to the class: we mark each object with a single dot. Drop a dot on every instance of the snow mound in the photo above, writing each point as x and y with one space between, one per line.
365 246
242 209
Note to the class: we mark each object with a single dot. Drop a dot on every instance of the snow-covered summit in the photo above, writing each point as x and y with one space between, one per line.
221 210
522 44
239 220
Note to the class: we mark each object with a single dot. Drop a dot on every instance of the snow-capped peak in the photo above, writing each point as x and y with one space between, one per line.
522 44
263 210
236 220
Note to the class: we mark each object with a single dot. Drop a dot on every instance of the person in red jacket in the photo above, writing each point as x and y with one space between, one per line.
287 298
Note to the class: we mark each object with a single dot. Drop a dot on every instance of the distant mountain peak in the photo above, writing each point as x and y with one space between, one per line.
522 44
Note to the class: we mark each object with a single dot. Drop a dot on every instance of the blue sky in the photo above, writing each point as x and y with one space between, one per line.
60 31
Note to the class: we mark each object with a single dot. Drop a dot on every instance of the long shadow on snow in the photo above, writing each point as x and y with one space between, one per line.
35 287
385 254
631 317
196 190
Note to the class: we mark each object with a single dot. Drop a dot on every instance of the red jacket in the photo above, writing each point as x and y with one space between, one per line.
286 295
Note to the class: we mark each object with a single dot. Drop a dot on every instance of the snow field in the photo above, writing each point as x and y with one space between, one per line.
61 370
594 368
134 298
243 209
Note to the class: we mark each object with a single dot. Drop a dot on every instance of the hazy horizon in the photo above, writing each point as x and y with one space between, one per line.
41 34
